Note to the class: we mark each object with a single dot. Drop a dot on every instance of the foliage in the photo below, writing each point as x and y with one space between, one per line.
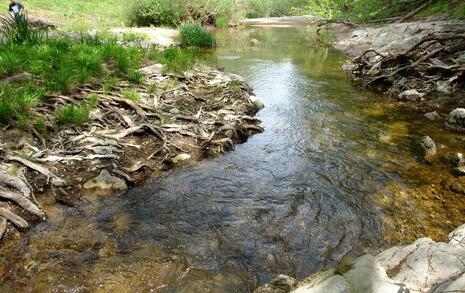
20 31
175 59
361 10
17 102
132 95
76 114
194 35
175 12
76 15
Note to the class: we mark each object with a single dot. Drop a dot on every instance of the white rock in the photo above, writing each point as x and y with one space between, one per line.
457 237
410 95
368 276
259 104
334 284
181 158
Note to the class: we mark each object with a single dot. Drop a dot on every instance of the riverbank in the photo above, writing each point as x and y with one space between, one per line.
113 111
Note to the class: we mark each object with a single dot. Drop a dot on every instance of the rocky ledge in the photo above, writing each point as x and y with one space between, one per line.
423 266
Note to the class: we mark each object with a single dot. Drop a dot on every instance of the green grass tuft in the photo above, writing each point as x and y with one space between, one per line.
194 35
132 95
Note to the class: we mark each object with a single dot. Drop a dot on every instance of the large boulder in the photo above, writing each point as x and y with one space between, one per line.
456 120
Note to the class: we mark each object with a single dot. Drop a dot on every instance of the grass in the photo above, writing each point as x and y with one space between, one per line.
76 114
194 35
175 59
78 15
132 95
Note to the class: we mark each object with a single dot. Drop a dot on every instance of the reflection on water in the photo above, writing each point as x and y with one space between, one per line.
292 200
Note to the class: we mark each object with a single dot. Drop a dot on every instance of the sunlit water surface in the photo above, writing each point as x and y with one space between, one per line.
292 200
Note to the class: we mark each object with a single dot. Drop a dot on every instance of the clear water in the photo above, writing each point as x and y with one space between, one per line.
303 195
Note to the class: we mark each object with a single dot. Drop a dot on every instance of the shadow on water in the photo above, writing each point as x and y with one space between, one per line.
292 200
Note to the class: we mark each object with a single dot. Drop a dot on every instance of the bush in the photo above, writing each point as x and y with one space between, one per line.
156 12
174 12
194 35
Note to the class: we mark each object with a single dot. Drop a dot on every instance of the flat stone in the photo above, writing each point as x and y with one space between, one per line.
334 284
106 181
368 276
155 69
410 95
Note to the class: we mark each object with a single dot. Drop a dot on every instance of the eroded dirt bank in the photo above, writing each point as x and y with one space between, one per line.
133 133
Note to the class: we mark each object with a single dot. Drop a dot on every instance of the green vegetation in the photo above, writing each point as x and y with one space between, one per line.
59 65
341 269
131 95
362 10
78 15
218 12
176 59
194 35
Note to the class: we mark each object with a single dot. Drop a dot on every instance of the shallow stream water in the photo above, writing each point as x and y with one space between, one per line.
303 195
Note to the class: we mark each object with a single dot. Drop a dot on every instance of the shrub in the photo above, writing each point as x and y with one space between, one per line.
156 12
194 35
175 12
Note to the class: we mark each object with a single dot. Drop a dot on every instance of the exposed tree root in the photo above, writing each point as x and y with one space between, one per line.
434 64
132 139
13 218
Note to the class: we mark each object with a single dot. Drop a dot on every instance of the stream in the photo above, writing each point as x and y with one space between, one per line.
311 191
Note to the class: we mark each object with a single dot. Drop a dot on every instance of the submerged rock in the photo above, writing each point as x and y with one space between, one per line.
456 120
458 160
281 284
432 115
429 147
410 95
106 181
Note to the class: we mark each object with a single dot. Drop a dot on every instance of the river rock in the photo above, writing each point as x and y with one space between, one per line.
180 158
458 160
456 120
155 69
106 181
410 95
281 284
432 115
429 147
259 104
253 42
